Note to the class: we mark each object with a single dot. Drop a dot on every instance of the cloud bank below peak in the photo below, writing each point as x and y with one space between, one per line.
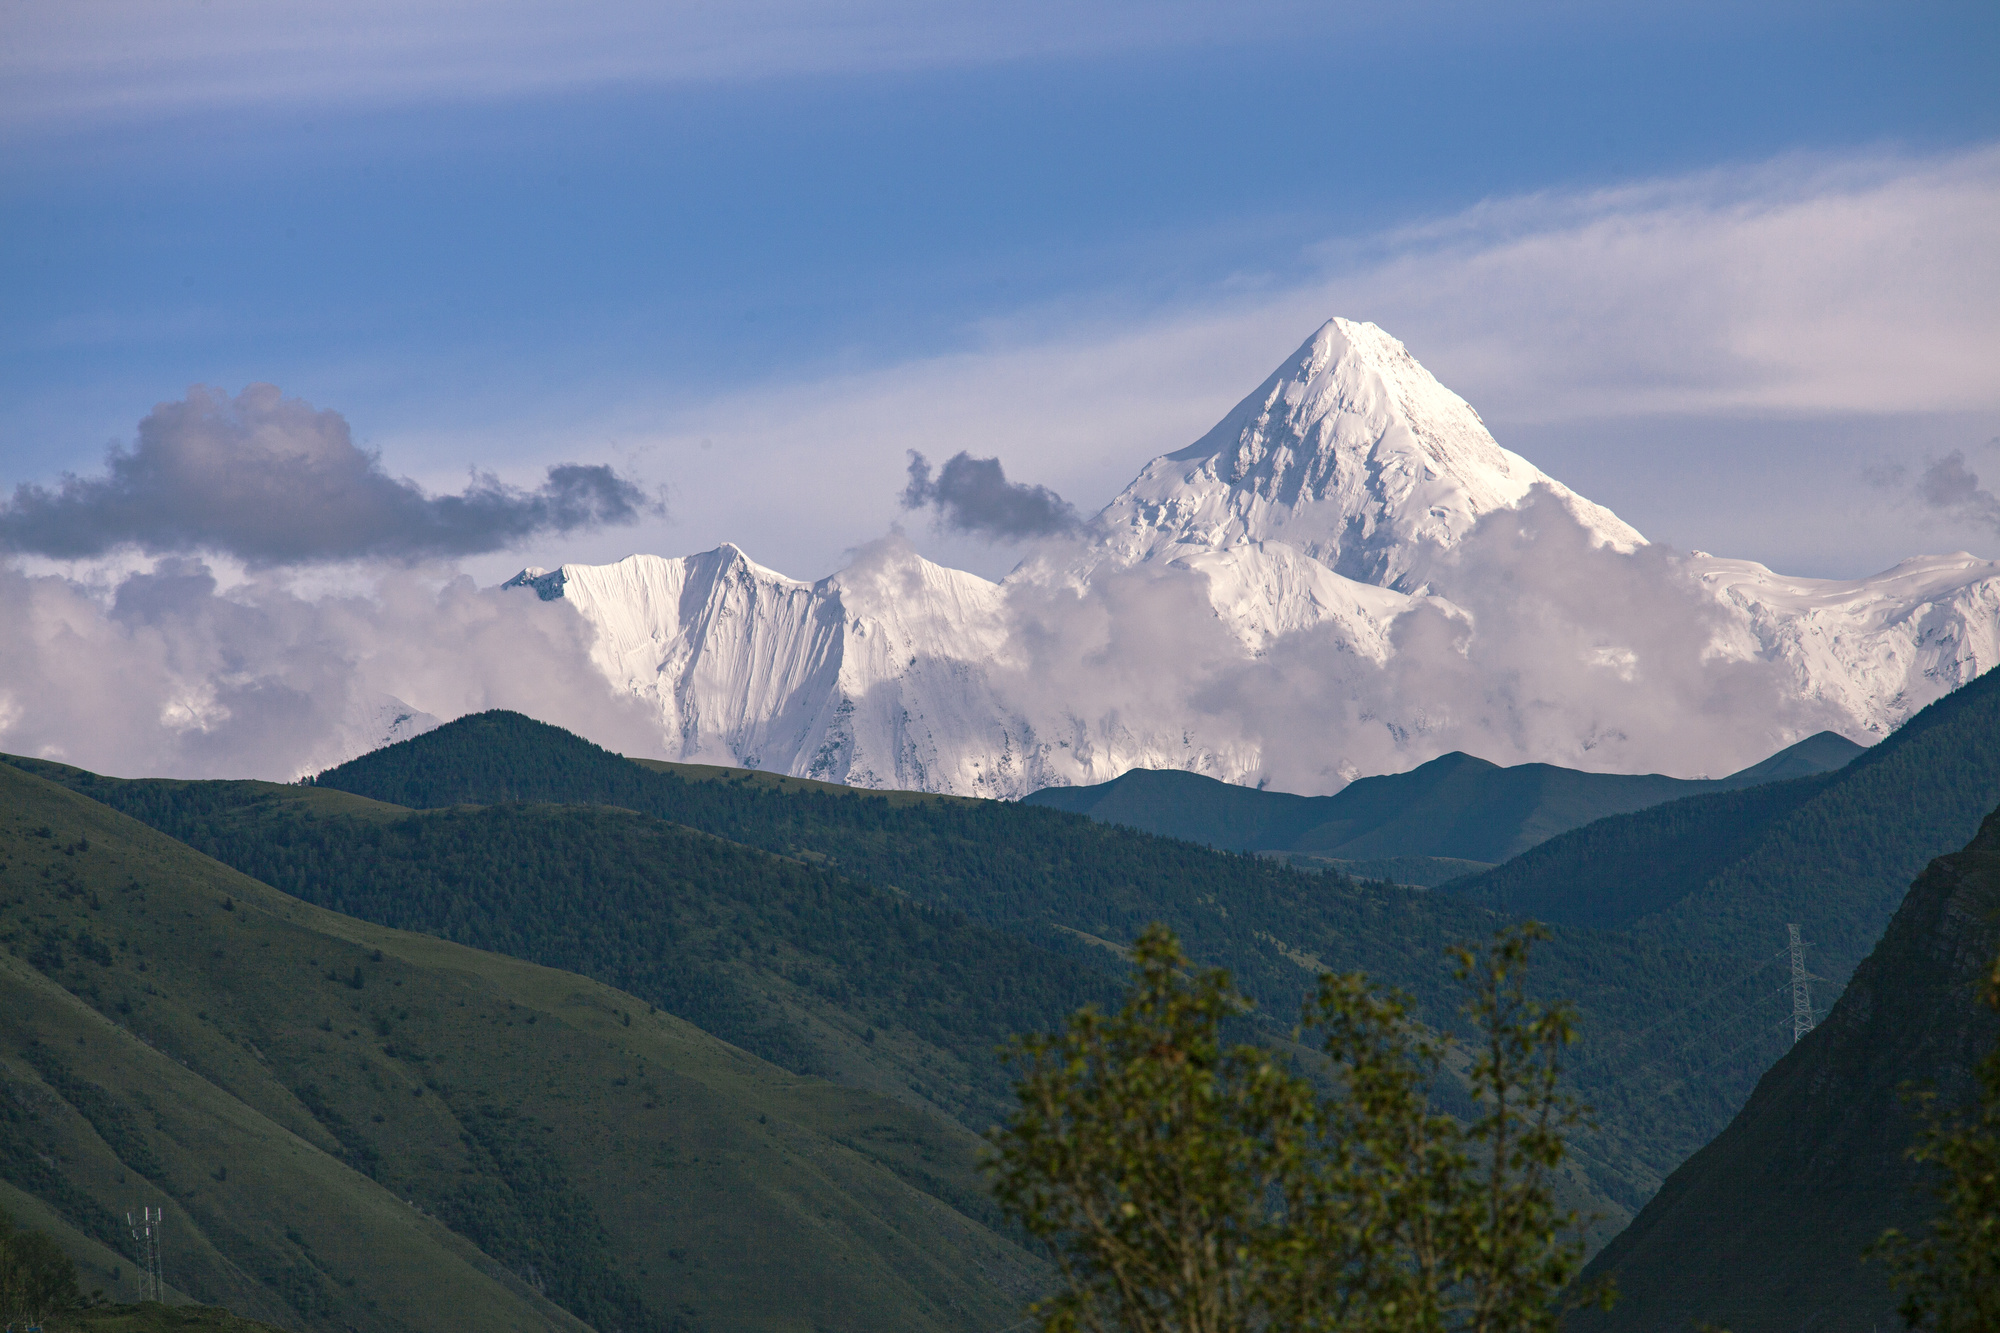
167 674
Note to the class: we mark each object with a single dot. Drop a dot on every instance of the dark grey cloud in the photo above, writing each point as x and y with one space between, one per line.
973 495
272 481
1949 484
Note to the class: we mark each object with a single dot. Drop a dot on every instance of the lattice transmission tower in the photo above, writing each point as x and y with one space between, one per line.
1802 1010
146 1231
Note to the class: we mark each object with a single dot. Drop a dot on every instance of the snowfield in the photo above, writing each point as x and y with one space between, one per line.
1347 575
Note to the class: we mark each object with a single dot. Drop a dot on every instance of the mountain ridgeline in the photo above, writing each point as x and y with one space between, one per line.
1065 883
1311 515
709 923
804 967
1706 884
1450 816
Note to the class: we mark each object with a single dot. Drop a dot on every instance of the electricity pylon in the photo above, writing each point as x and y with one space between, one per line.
1802 1010
146 1230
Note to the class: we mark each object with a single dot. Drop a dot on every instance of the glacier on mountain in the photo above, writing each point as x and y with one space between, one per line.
1350 452
1348 574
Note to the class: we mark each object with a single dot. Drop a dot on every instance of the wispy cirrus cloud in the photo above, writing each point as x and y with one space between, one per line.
1833 288
1863 283
130 57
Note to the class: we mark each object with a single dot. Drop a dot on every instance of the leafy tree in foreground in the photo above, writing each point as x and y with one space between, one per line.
36 1278
1186 1186
1951 1278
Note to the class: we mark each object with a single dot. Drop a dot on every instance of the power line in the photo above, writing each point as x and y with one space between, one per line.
1627 1042
1740 1047
1659 1063
1802 1017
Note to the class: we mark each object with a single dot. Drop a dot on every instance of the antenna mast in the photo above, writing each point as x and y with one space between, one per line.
146 1230
1802 1010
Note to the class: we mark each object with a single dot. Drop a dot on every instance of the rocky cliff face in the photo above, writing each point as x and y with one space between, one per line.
1762 1230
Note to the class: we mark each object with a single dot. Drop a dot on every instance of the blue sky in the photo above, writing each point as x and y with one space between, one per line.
1728 269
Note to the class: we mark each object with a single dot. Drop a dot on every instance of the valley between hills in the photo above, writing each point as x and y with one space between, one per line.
494 1028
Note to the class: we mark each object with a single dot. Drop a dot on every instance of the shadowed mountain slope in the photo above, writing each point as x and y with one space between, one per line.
1762 1231
354 1127
1726 872
1002 864
1454 807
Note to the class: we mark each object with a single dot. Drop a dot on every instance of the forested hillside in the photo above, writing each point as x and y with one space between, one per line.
813 971
1724 873
1062 882
891 941
357 1127
1619 871
995 863
1764 1229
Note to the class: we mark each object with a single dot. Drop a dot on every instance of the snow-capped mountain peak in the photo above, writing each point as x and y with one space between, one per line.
1350 452
1282 601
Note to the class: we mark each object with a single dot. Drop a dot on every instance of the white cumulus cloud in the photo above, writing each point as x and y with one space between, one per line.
166 673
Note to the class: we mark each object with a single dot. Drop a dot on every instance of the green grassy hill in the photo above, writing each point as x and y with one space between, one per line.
1026 870
803 967
354 1126
1762 1231
154 1317
1454 808
819 973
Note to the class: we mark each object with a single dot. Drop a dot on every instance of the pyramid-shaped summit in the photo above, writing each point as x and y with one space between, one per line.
1287 537
1350 452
